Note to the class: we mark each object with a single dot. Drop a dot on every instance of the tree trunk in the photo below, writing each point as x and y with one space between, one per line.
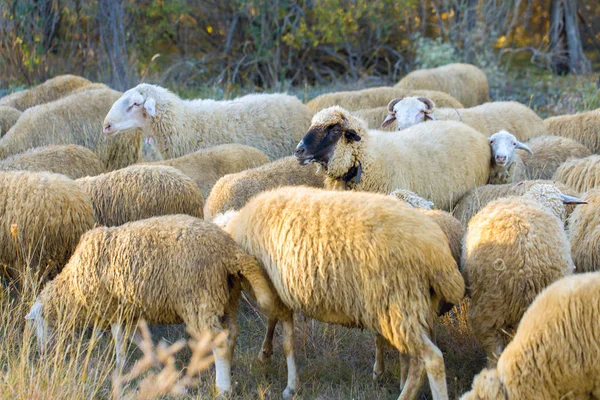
565 41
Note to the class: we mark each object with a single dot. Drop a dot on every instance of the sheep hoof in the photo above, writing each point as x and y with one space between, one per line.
288 393
377 376
265 355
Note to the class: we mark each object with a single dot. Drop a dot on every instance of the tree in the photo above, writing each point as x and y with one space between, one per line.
565 40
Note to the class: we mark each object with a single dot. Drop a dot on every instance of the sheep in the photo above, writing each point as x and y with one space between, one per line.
584 234
43 216
487 118
582 127
375 97
465 82
507 166
70 160
354 259
8 117
207 166
549 153
142 191
580 174
149 152
272 123
453 159
75 119
514 247
166 270
555 352
472 202
53 89
233 191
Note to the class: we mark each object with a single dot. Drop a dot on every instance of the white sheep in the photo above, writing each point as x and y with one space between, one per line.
507 166
273 123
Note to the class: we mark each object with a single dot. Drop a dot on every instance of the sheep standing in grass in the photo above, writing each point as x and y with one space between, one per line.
375 97
487 118
207 166
477 198
465 82
272 123
166 270
550 152
43 216
70 160
555 352
584 233
233 191
142 191
53 89
439 161
8 117
507 166
513 249
582 127
354 259
580 174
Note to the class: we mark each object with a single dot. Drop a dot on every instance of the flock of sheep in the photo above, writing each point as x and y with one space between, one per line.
373 209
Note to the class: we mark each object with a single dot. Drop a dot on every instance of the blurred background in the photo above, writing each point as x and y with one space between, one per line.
221 49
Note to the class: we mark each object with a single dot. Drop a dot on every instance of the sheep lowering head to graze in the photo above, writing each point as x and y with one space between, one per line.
507 166
513 249
555 352
440 160
272 123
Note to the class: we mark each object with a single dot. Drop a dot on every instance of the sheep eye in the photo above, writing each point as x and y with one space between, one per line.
491 142
514 143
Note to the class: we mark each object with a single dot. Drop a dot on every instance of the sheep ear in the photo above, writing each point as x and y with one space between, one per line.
352 135
150 106
572 200
523 146
388 120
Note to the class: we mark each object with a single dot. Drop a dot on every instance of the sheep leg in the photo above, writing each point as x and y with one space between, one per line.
378 367
222 355
119 338
404 369
413 381
288 348
436 372
267 346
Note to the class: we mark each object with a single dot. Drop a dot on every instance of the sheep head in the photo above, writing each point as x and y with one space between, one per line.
552 198
132 110
487 385
332 134
409 111
503 146
36 318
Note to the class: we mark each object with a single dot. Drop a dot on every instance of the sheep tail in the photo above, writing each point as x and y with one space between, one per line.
263 289
448 284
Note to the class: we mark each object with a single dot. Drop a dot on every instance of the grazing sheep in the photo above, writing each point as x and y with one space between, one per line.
354 259
375 97
549 153
8 117
487 118
584 234
582 127
207 166
507 166
53 89
233 191
70 160
166 270
514 247
439 161
581 174
465 82
75 119
479 197
555 352
43 216
272 123
142 191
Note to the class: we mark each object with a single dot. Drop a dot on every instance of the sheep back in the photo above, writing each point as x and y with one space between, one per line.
549 152
582 127
8 117
53 89
584 235
581 174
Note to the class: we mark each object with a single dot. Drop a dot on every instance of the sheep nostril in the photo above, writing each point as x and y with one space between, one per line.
300 151
107 127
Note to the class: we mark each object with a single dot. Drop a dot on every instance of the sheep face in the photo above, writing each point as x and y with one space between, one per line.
40 324
409 111
132 110
552 198
486 386
503 146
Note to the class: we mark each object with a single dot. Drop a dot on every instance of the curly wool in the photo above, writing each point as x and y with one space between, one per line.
376 97
142 191
207 166
43 217
70 160
8 117
514 248
582 127
581 174
465 82
549 153
555 352
233 191
584 234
